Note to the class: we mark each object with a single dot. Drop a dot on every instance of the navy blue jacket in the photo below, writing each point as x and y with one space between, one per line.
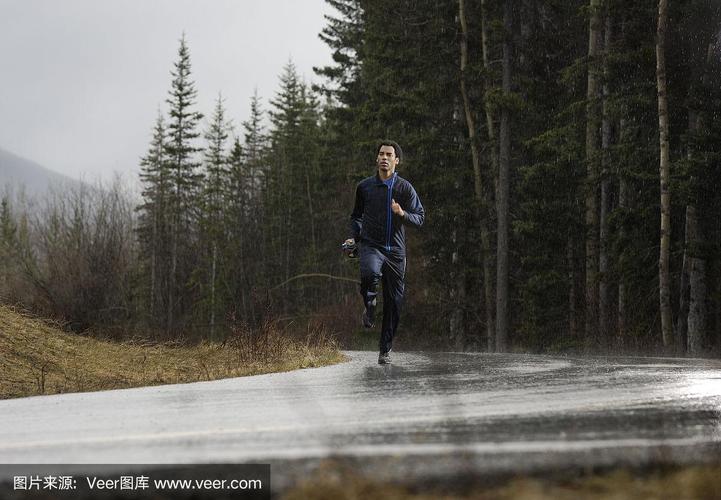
374 223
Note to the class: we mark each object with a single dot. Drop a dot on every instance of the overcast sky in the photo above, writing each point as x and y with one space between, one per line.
81 81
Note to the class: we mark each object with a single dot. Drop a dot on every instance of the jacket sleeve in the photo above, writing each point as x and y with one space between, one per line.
414 214
356 217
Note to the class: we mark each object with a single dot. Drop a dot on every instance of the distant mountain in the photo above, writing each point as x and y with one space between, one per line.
16 171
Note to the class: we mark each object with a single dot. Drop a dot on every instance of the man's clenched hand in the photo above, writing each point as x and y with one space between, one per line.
397 208
350 248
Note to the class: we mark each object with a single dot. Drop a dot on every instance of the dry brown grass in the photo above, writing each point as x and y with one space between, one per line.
679 483
38 358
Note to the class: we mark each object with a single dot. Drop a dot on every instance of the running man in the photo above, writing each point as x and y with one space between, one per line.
384 204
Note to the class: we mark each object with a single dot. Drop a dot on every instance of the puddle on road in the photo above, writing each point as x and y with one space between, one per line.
533 368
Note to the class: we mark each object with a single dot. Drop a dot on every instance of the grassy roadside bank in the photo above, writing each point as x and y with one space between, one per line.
699 482
37 358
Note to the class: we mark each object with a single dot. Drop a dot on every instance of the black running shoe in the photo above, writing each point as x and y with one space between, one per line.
384 358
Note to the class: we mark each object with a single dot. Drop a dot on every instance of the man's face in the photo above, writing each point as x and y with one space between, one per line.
387 160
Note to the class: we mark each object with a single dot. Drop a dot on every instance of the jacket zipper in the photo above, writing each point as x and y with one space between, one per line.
390 213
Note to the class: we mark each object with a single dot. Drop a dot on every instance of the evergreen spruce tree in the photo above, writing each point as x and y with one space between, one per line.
185 182
344 36
153 230
255 144
292 181
214 200
281 194
345 89
238 216
252 173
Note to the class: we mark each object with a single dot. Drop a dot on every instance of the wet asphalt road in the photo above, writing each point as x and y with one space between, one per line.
427 415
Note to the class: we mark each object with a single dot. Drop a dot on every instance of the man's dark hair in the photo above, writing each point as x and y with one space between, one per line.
394 144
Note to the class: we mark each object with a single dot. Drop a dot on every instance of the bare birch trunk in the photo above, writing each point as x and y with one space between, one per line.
664 277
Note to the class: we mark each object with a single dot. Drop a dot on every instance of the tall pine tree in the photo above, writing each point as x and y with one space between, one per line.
185 181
